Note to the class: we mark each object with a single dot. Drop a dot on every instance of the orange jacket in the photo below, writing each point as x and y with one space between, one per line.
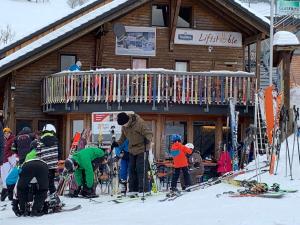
178 152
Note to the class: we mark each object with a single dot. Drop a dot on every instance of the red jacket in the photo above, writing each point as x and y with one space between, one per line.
179 151
224 163
7 148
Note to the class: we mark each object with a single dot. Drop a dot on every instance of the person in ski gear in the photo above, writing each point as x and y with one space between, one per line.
83 163
32 185
9 161
123 154
224 162
47 149
139 137
180 162
21 145
76 66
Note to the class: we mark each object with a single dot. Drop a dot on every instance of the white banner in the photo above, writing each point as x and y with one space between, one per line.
139 41
208 38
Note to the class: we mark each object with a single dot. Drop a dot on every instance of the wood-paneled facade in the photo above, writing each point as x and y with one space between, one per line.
96 48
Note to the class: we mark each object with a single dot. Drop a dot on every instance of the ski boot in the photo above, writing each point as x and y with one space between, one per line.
123 187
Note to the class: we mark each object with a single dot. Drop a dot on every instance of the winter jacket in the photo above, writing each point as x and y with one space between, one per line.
123 148
84 159
137 133
1 144
21 145
74 68
178 152
224 162
7 147
47 149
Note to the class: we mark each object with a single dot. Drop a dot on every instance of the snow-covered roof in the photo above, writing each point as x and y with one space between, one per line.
253 11
62 31
69 28
285 38
38 16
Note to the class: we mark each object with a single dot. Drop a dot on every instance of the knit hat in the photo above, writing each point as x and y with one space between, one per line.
6 130
123 118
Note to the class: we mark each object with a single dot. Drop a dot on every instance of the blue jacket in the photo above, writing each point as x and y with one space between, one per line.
74 68
13 176
122 147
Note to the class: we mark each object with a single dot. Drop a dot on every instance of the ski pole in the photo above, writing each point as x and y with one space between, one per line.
144 172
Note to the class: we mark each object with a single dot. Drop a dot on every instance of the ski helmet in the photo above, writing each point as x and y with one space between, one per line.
26 130
70 165
49 127
190 145
175 137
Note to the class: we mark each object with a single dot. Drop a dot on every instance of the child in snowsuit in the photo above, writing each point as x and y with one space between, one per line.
83 164
178 152
122 152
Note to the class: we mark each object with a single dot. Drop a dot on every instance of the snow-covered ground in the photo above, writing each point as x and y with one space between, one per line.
198 207
25 17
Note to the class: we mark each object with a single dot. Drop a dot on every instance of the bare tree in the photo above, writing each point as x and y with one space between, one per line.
6 34
75 3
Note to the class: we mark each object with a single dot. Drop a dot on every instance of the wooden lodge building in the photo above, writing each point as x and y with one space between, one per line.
178 65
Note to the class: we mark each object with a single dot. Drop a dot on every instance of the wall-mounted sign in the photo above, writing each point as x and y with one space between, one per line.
285 7
140 41
207 37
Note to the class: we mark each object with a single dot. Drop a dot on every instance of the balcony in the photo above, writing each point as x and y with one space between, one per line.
152 88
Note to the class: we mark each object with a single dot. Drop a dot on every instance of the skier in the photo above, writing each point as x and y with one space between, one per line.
178 151
139 137
123 154
83 164
22 142
32 185
9 161
76 66
48 150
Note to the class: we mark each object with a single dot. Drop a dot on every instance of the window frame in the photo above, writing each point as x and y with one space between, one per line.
169 14
141 58
191 16
187 66
65 54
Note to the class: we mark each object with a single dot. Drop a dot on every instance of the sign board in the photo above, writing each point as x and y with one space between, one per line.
140 41
285 7
105 127
208 38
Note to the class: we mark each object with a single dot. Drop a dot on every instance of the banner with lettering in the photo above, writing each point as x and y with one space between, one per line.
208 38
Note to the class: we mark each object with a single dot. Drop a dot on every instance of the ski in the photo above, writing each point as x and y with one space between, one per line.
65 209
263 195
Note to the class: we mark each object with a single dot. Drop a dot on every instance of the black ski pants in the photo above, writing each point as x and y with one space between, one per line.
136 172
186 177
33 169
52 187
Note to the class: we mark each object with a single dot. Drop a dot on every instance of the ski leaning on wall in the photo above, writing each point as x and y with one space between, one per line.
234 129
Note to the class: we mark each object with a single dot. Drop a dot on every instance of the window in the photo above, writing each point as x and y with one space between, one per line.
185 17
139 63
174 127
66 61
160 15
23 123
77 126
181 66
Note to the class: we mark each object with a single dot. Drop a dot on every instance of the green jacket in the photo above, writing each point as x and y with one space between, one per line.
136 132
84 159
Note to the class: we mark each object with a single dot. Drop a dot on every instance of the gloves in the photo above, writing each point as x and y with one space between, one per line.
114 145
15 207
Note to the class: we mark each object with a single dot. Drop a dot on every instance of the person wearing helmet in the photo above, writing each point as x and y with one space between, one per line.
178 151
47 149
9 161
83 163
21 145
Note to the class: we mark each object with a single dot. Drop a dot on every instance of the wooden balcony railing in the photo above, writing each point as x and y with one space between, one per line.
146 86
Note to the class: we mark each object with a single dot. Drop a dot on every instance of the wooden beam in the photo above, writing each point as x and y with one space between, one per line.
174 24
253 39
218 137
257 70
12 101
